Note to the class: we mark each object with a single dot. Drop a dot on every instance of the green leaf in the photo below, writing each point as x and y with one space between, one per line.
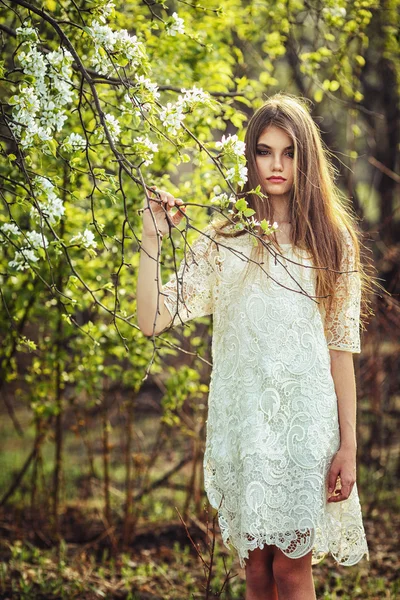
358 96
264 224
318 95
335 85
241 204
326 84
73 281
52 146
248 212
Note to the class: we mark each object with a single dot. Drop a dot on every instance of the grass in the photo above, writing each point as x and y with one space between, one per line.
164 565
175 575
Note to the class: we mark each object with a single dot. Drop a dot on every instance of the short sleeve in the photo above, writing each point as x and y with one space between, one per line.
189 292
342 320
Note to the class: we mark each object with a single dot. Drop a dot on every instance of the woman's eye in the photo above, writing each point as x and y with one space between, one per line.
265 152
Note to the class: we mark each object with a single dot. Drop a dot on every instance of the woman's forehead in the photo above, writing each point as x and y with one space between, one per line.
274 136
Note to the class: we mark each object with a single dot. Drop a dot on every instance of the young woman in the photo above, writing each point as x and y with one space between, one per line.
280 457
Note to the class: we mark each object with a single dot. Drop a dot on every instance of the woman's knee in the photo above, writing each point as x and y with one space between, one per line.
290 572
259 566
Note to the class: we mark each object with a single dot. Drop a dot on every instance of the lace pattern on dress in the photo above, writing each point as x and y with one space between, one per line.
189 293
272 426
342 321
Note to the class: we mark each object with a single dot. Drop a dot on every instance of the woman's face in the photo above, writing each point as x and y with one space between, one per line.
274 158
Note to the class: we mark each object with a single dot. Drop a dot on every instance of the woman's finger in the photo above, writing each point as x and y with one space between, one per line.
167 200
178 216
332 478
343 493
162 197
170 199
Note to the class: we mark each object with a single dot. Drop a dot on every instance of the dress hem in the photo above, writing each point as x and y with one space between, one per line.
316 559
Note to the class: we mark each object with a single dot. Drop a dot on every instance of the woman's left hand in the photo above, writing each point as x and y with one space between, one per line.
343 466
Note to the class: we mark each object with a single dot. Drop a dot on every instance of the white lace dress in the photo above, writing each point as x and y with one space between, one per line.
272 427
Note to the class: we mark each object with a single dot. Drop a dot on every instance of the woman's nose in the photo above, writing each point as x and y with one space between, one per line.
277 163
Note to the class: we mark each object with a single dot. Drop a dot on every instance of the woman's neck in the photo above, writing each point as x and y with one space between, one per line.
281 210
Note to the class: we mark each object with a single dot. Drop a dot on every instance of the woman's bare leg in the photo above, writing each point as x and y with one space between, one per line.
260 584
293 576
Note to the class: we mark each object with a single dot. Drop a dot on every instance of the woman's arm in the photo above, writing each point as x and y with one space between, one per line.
147 293
149 285
344 462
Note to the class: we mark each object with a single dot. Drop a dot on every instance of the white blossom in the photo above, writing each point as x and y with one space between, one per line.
36 239
39 109
21 259
86 239
61 61
74 142
231 144
223 199
237 174
273 226
54 209
148 85
142 98
131 106
51 206
193 96
105 11
33 62
113 126
10 229
53 120
171 117
26 107
335 11
43 184
145 149
119 42
60 74
254 222
26 33
129 46
175 25
102 35
233 151
242 175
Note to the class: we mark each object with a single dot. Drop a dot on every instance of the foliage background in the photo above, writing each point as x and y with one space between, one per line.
102 429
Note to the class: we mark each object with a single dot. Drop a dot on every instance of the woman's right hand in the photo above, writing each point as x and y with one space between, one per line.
159 219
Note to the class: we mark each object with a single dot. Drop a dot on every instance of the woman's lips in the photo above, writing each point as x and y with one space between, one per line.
276 179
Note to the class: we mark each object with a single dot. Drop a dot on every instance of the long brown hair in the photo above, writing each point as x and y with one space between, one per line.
319 213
